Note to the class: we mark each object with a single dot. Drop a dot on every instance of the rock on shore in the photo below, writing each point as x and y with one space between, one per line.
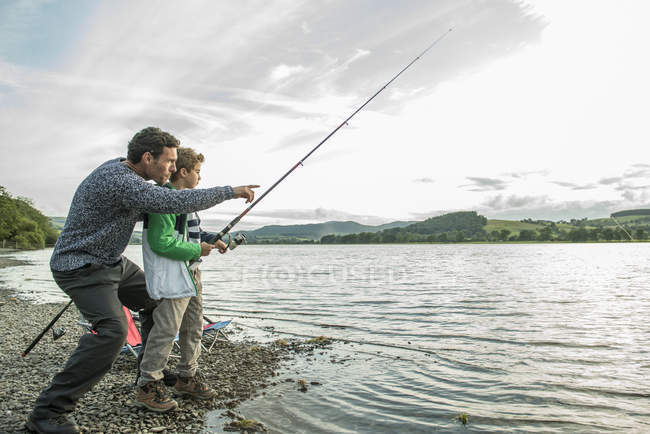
237 371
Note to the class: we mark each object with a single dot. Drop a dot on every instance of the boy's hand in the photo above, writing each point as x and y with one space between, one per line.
221 246
245 191
206 248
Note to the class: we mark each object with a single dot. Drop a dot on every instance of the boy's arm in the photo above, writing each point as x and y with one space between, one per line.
160 235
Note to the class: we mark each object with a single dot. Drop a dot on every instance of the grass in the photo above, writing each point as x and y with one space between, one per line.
513 226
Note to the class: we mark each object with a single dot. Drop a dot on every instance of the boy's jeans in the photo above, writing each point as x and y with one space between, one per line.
182 316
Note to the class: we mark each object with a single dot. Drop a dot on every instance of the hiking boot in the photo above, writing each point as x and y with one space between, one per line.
154 397
52 425
169 378
193 386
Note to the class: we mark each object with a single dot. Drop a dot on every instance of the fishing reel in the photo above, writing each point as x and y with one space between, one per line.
57 332
235 241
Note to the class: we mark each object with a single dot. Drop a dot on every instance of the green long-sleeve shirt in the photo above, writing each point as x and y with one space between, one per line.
163 242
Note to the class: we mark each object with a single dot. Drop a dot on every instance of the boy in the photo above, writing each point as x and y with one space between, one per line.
172 245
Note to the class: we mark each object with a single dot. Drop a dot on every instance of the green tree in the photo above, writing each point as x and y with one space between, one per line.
30 240
527 235
545 234
578 235
608 234
23 224
640 234
594 234
504 234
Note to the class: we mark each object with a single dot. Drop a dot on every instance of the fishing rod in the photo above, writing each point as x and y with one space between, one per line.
235 241
49 326
619 225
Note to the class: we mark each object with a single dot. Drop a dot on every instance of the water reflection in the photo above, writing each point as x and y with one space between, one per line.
520 337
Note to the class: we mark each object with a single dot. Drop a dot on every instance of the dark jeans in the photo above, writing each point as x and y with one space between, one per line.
98 291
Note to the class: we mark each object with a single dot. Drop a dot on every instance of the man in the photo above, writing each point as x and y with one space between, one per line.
88 265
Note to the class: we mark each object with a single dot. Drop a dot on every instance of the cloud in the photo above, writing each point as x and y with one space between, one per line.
419 216
200 70
484 184
573 186
524 175
318 215
501 202
424 180
541 207
282 72
610 181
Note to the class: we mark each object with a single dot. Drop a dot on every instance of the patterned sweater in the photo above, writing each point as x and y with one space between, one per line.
106 207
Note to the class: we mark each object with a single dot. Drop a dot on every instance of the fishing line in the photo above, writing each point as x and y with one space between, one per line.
236 220
350 341
619 225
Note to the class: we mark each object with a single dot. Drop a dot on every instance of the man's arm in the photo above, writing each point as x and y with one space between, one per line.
160 235
132 191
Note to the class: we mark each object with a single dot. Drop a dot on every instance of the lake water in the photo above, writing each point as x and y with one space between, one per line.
534 337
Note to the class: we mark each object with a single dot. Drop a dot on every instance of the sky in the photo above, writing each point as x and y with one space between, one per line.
526 109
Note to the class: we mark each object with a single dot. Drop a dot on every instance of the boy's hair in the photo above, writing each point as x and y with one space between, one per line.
187 159
152 140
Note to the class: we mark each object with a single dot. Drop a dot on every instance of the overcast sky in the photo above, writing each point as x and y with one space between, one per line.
526 109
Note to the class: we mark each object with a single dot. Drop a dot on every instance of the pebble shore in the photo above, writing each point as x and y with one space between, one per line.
237 370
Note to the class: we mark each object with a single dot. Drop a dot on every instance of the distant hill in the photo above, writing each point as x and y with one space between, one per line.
57 222
632 212
315 231
457 226
453 227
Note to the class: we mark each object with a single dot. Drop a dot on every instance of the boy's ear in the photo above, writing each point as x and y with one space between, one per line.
182 172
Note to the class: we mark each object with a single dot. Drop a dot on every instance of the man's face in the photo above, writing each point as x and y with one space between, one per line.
160 169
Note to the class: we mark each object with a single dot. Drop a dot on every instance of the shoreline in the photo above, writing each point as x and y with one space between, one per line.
237 370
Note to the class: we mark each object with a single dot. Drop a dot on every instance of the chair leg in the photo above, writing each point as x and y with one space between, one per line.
132 351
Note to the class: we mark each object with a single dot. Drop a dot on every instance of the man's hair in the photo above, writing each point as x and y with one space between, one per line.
152 140
187 159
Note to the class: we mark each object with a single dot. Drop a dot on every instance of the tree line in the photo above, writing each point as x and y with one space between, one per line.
544 235
468 226
22 225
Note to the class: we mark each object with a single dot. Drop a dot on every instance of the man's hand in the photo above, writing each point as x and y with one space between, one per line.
221 246
206 248
245 192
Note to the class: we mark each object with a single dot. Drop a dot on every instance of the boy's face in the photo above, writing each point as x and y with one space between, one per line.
193 176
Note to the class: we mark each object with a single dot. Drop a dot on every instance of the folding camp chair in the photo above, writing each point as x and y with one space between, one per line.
212 332
133 338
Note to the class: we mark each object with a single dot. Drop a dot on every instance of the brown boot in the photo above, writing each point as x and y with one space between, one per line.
154 397
193 386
